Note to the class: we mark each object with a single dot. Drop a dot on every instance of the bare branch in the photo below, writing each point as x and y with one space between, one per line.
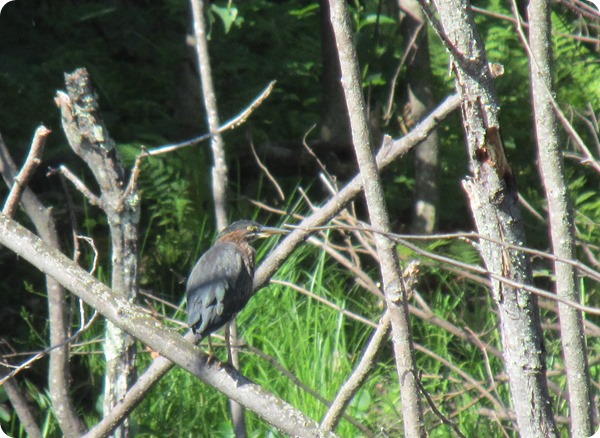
219 177
231 124
508 18
547 94
31 163
492 195
219 170
79 185
329 178
23 409
266 172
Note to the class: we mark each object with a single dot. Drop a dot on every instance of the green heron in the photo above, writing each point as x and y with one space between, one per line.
220 284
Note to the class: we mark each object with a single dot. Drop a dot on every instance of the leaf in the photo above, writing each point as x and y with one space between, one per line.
228 15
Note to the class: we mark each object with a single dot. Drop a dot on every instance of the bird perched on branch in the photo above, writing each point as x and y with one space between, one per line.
220 284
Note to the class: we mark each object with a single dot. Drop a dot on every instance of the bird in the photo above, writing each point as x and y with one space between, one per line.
220 284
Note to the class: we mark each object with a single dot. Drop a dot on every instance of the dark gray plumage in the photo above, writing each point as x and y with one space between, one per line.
220 284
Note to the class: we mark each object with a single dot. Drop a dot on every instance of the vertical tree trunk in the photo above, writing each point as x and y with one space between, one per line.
420 95
119 347
219 177
219 170
378 214
493 199
560 212
88 137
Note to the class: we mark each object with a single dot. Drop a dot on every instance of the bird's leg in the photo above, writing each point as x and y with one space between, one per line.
211 352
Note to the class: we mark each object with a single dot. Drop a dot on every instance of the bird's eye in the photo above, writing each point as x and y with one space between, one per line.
252 228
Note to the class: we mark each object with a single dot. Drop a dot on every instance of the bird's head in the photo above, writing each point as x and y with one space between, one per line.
247 231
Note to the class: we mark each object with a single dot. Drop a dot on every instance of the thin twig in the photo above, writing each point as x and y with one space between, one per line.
500 278
365 280
266 171
31 163
317 160
592 125
483 271
79 185
135 174
530 209
436 411
483 11
90 242
231 124
488 367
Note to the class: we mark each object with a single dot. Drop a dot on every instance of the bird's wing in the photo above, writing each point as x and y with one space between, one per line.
212 277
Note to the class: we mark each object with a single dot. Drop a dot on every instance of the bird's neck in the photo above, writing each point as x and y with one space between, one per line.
250 256
248 252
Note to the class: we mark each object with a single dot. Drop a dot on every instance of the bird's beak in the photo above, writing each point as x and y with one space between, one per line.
269 231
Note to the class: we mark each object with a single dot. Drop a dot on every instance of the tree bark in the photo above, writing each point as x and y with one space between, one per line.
560 213
22 408
494 204
88 137
378 214
419 81
219 170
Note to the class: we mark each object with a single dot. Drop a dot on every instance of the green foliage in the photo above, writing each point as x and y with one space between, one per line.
227 14
577 73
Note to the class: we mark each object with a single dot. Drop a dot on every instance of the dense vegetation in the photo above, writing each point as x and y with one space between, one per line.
145 76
